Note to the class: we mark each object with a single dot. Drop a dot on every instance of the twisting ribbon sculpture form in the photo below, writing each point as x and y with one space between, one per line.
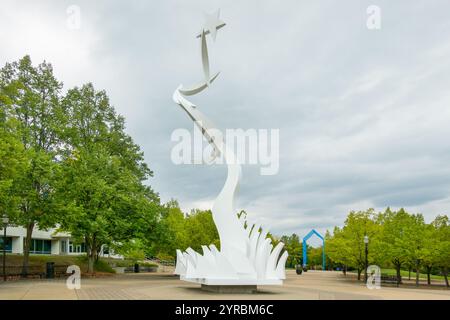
246 255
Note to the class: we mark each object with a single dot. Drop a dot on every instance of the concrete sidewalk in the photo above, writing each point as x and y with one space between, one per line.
311 285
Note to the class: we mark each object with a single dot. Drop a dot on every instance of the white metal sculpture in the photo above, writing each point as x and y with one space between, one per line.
246 255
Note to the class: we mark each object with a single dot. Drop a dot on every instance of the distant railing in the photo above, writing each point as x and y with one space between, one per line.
141 269
166 263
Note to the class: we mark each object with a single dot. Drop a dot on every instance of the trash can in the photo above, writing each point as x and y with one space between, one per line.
136 268
50 272
298 269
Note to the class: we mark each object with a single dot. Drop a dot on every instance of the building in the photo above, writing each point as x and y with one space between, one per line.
46 242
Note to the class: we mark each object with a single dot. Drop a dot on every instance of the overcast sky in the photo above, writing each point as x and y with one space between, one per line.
364 115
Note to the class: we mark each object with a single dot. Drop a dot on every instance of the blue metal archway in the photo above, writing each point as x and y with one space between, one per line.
305 248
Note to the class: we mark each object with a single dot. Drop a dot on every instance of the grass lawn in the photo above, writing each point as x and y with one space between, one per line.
404 273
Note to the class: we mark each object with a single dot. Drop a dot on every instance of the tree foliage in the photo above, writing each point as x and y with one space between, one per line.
185 230
68 162
105 170
396 238
32 97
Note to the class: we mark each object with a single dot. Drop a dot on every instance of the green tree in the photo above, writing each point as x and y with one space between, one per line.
315 257
429 252
339 249
105 171
175 236
33 94
347 245
441 251
401 239
293 246
12 157
12 164
201 230
183 231
133 250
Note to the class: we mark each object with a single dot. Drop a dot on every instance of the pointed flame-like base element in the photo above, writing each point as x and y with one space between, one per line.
216 268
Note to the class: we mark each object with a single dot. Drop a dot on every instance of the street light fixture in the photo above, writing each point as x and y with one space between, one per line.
366 251
5 221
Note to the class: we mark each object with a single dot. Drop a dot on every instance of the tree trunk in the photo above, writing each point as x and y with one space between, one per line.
409 275
417 272
345 270
91 261
97 253
359 274
428 275
399 275
445 273
417 275
91 248
26 249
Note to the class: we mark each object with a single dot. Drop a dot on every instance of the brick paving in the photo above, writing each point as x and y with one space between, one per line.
312 285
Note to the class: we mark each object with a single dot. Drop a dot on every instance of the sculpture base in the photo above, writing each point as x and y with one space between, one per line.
233 282
229 289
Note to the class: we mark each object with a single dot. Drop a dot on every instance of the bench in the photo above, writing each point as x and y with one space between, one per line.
388 279
61 271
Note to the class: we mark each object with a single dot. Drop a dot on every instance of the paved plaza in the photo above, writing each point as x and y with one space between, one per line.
312 285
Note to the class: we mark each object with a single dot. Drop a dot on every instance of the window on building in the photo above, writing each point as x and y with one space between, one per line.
47 248
41 246
63 248
77 248
8 244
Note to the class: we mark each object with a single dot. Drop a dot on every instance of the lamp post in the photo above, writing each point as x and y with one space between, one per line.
5 221
366 251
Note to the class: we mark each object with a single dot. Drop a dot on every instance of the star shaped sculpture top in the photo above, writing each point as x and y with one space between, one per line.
212 24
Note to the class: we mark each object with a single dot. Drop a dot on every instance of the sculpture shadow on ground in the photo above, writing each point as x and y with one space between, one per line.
198 290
